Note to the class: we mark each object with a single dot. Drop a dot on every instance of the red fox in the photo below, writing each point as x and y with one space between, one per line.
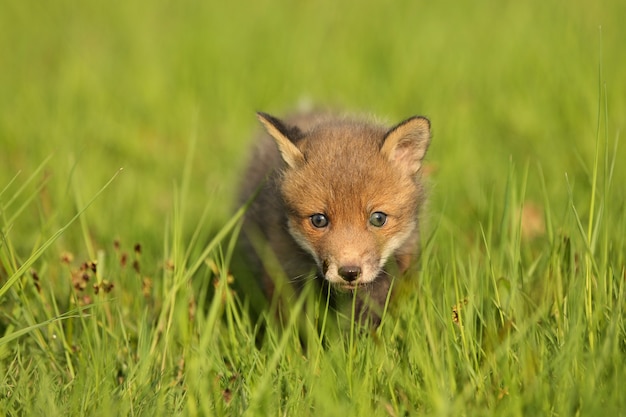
339 197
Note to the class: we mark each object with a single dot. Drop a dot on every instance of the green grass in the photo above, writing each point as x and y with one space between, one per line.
124 127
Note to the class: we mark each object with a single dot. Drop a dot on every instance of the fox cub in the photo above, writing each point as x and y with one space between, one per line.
338 201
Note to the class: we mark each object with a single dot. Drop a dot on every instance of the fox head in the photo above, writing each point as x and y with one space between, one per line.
351 191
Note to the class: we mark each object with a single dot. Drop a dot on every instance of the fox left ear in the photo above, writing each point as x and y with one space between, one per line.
284 136
406 143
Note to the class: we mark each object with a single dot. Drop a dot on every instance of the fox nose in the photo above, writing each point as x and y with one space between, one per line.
350 273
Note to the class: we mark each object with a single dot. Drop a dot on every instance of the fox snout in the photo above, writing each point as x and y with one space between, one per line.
348 272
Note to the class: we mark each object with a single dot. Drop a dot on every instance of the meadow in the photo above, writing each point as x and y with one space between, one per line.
124 129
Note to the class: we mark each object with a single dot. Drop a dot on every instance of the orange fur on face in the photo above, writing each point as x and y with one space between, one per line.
347 185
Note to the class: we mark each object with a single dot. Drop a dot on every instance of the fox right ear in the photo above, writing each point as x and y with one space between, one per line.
284 136
406 143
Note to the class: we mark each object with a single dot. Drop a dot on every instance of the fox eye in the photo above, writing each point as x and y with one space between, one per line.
319 220
378 219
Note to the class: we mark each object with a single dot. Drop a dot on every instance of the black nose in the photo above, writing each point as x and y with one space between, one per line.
350 273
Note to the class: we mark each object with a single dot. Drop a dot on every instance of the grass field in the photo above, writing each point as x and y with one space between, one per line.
124 127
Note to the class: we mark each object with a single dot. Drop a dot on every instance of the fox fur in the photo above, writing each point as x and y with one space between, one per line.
339 200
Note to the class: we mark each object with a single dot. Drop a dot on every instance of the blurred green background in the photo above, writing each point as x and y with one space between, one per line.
520 95
128 84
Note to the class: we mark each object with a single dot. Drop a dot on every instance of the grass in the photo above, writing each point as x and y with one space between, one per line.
124 127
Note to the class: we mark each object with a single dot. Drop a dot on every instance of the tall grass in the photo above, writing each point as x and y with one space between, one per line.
494 325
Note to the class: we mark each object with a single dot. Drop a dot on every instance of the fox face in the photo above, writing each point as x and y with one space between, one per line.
351 193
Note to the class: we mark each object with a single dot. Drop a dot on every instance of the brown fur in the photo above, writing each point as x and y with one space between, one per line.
345 169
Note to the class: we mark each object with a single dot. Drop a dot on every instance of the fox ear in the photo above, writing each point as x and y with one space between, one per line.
284 136
406 143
